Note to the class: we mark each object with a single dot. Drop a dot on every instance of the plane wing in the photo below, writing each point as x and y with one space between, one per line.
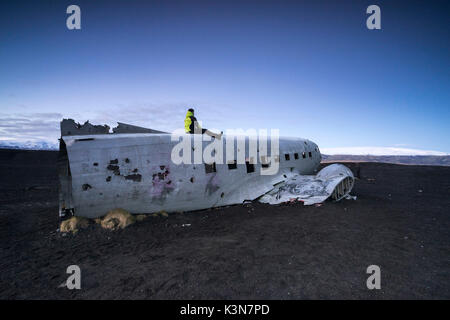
334 181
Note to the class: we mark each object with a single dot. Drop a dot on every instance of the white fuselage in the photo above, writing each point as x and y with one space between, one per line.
136 172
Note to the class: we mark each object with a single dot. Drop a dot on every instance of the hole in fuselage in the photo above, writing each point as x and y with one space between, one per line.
210 168
250 167
233 165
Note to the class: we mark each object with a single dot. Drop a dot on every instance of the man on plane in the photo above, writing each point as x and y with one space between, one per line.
191 126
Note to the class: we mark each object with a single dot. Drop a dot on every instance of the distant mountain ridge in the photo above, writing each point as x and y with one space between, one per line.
29 145
411 160
382 151
398 159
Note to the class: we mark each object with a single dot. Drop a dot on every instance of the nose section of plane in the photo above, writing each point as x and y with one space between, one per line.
315 149
319 155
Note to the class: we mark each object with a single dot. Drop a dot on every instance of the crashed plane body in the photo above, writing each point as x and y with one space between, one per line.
133 169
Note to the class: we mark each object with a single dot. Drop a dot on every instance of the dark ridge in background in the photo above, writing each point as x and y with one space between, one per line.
411 160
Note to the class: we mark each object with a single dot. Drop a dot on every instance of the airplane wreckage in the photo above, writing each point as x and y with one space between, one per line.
133 168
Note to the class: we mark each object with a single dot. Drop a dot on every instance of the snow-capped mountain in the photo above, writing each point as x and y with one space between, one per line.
29 145
381 151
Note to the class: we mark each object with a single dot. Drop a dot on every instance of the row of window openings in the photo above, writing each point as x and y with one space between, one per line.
210 168
288 157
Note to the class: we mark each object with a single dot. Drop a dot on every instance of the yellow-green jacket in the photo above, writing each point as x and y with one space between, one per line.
190 123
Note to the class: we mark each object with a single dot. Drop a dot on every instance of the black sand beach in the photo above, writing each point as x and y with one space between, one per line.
400 222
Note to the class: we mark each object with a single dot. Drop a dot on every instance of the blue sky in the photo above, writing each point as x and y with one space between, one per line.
311 69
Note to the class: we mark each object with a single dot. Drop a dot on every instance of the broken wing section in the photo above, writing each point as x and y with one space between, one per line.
335 181
71 128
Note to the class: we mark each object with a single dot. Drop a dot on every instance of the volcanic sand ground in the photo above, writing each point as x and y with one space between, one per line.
400 222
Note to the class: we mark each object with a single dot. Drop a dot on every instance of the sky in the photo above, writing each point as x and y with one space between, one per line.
311 69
